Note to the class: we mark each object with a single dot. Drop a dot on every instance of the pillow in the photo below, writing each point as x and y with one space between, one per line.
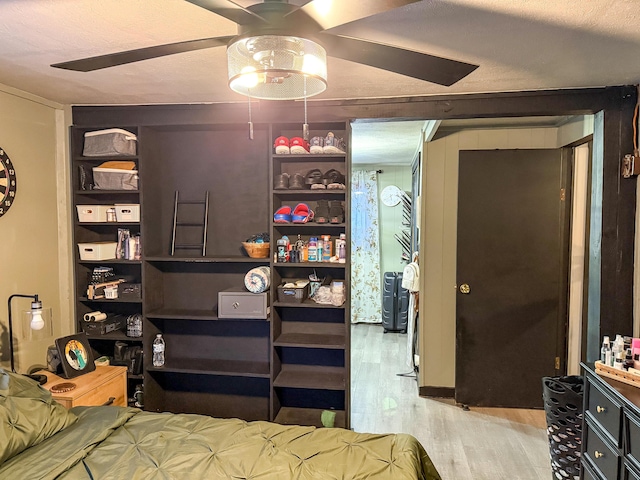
28 414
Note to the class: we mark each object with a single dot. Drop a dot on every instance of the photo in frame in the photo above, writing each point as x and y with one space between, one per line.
75 354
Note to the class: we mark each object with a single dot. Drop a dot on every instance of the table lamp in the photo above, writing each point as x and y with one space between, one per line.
37 322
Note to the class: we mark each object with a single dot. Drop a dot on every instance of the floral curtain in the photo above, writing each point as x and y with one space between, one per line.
366 299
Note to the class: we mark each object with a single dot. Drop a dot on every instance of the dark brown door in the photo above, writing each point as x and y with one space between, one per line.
511 281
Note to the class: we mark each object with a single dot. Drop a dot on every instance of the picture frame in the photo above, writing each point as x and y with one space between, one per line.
75 354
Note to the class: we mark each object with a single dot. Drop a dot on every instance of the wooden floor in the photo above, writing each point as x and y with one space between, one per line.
480 444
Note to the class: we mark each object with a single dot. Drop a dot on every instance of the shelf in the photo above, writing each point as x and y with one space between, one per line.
106 192
307 303
80 158
310 193
311 377
297 157
176 259
133 376
307 416
108 300
310 225
312 340
112 260
117 335
186 314
311 264
234 368
91 224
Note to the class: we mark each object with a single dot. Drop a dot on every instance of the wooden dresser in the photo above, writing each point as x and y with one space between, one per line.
103 386
611 432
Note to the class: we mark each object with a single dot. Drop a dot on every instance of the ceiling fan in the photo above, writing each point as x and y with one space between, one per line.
283 44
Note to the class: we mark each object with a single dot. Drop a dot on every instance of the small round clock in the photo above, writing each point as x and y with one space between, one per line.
8 183
391 195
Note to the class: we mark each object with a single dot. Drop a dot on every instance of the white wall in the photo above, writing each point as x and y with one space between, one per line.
390 218
438 230
35 232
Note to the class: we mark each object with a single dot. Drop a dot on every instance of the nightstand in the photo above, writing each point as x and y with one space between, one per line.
103 386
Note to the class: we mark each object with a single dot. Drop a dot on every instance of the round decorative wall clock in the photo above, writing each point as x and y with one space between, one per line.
8 183
391 195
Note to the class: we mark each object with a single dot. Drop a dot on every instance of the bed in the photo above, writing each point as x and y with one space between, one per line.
40 439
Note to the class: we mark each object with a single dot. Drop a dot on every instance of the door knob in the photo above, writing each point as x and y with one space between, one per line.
464 288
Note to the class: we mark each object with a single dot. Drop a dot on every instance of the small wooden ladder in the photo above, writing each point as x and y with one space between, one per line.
178 224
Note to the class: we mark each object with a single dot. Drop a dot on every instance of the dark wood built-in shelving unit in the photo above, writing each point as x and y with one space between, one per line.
289 367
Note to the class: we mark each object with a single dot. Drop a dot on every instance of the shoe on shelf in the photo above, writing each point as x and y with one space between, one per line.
333 144
314 177
322 211
298 145
281 182
296 182
336 212
282 215
332 179
302 213
281 145
316 144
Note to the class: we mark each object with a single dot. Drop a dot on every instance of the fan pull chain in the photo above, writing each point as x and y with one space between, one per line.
250 122
305 126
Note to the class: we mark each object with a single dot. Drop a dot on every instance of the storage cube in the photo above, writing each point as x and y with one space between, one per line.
114 179
128 212
93 213
112 142
97 250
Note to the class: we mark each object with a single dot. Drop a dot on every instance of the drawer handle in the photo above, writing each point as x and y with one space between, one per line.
600 409
235 305
598 454
112 399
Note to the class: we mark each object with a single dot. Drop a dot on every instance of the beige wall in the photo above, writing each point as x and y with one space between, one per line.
35 232
438 227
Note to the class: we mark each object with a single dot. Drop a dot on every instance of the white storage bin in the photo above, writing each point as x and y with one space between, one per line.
97 250
93 213
112 142
127 212
114 179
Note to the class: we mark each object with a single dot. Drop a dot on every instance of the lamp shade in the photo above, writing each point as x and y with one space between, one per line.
277 67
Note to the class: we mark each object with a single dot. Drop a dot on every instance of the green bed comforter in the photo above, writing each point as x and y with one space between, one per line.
125 443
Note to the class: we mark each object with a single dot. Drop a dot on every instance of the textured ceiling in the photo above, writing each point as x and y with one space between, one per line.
519 45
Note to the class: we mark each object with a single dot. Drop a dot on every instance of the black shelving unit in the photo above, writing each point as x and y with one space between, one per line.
89 232
289 367
311 341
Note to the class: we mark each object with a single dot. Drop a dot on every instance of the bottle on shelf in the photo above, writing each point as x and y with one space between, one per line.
605 352
312 255
158 351
342 248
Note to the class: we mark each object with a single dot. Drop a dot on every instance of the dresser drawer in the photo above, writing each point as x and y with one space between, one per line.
630 474
633 438
599 454
111 393
605 411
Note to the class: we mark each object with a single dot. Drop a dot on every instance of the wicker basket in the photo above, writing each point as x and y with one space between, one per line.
257 250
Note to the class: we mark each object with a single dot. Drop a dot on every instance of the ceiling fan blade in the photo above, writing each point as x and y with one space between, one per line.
227 9
332 14
121 58
422 66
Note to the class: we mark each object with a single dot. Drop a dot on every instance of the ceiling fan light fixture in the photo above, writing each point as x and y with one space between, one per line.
277 67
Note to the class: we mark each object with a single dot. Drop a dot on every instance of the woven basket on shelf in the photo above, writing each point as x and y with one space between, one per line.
257 250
